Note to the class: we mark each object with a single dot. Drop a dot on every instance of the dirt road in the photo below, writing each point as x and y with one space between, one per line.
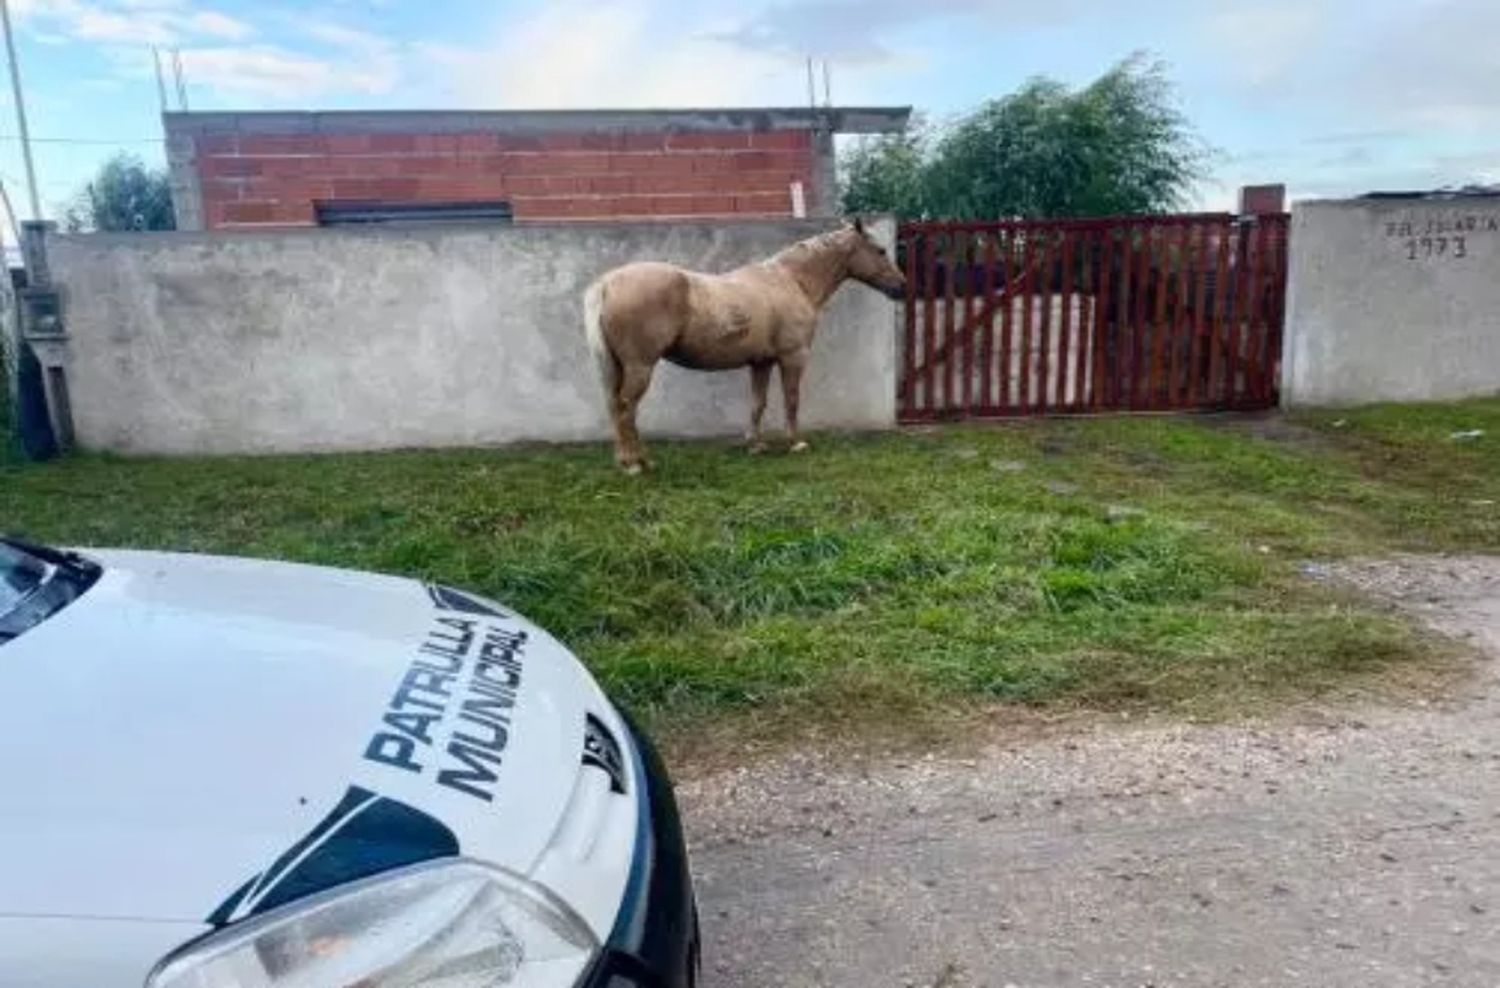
1355 848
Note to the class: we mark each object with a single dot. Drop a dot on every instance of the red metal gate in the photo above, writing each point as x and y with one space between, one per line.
1145 313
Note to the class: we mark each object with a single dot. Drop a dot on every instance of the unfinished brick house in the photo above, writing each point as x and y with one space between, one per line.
327 168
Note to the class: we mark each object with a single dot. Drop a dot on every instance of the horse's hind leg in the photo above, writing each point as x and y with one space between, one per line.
760 383
631 387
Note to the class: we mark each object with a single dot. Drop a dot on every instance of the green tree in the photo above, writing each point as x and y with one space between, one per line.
886 174
124 196
1118 145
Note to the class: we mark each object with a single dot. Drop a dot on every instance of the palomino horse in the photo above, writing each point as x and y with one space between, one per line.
758 316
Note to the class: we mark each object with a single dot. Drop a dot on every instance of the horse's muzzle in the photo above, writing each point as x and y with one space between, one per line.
894 292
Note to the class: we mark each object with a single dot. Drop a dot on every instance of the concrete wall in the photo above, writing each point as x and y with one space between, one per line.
1393 300
366 339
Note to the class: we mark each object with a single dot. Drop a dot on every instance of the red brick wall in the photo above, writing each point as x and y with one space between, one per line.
1262 199
275 179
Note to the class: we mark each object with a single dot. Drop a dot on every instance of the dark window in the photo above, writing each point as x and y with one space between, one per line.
359 213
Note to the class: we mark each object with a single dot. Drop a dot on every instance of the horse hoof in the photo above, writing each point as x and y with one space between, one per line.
800 446
757 448
632 469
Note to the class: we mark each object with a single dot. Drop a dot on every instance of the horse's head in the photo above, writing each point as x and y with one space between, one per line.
869 263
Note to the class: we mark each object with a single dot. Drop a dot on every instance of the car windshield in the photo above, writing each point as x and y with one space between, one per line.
36 583
20 576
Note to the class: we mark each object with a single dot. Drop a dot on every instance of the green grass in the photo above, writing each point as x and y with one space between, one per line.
881 579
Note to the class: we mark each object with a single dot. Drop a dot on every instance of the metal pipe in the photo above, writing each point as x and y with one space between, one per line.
182 100
161 82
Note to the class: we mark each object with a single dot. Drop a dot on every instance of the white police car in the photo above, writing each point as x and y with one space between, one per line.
224 773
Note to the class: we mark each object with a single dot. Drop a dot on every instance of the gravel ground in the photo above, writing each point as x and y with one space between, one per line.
1352 847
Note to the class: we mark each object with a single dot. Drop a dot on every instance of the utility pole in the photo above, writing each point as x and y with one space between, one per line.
15 85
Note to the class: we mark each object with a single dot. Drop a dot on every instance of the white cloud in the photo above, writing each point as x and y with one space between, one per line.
341 36
577 54
1417 65
267 72
94 24
625 53
219 54
859 30
215 24
129 22
1261 44
328 60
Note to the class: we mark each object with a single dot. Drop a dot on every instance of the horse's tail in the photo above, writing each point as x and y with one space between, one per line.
593 327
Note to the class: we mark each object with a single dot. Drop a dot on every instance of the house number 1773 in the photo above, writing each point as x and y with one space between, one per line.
1426 247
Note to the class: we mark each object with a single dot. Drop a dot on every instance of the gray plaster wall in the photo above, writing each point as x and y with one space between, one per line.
1393 300
313 340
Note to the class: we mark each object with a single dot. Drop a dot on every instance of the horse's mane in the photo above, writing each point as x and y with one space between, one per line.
816 244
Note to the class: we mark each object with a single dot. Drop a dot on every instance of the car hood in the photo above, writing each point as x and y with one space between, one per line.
201 739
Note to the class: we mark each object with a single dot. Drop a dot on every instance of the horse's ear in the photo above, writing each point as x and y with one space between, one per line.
859 226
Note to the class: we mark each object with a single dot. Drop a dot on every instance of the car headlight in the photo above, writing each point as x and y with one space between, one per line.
458 924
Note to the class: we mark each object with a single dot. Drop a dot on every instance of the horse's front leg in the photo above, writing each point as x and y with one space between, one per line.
792 366
760 383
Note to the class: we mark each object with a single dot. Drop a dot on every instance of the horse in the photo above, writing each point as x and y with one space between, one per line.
762 315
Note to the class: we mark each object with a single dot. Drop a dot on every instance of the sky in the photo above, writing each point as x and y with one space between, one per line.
1332 97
